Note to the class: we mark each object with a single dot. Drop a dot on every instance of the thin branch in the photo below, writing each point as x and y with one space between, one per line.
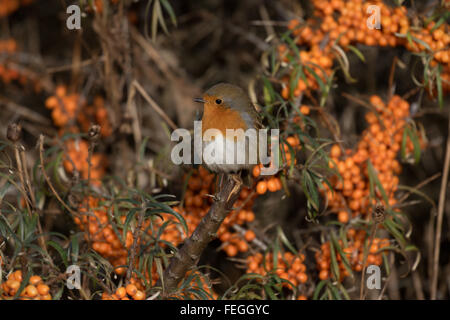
47 179
440 215
135 244
154 105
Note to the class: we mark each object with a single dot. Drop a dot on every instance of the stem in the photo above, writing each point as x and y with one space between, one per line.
437 240
28 194
134 246
47 179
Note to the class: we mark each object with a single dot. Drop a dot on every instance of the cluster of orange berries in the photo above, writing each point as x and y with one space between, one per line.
66 109
35 290
197 282
9 6
7 47
136 291
438 41
273 183
379 143
345 22
100 231
133 291
196 205
95 113
289 266
11 72
64 106
105 240
77 156
7 72
354 253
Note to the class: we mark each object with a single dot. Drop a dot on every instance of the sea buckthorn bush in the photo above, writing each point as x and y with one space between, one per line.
87 180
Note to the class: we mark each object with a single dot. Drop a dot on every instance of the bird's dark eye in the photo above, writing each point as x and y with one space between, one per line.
218 101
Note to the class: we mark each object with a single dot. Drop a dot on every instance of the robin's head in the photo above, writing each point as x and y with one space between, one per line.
225 95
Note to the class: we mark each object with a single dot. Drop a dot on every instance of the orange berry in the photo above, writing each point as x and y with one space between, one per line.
272 185
249 235
371 259
335 151
261 187
304 110
31 291
34 280
46 297
324 274
60 91
131 289
256 171
17 275
43 289
278 183
121 292
231 250
242 246
373 248
285 92
13 285
224 237
250 216
302 277
253 266
292 141
139 295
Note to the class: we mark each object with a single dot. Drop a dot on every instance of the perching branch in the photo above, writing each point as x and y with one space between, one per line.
189 254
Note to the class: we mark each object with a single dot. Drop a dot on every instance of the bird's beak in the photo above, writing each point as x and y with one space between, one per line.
199 100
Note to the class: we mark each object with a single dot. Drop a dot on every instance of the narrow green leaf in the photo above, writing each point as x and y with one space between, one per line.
60 250
168 8
357 52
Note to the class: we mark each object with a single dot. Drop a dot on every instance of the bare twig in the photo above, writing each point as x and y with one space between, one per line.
440 215
417 283
24 111
154 105
387 280
14 135
135 244
420 185
81 64
377 217
47 179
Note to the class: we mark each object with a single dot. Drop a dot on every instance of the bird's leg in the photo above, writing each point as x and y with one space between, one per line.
236 178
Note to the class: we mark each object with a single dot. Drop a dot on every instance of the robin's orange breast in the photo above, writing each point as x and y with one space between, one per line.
221 118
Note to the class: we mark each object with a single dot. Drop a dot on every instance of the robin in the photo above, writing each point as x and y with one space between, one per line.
227 106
